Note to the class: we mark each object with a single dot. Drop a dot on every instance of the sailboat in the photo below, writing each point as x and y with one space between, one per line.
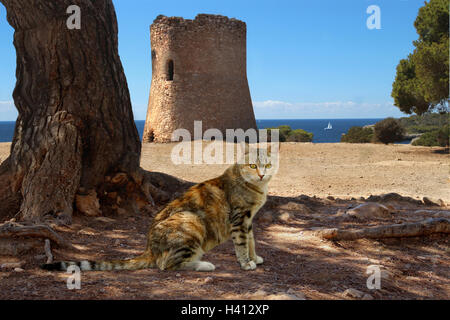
329 126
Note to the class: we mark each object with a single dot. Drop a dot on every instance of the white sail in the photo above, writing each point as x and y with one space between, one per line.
329 126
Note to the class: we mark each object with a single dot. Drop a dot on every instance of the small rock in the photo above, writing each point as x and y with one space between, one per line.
178 275
87 231
208 280
393 197
105 219
289 295
258 295
88 204
370 210
353 293
304 197
367 297
295 206
286 216
18 270
330 198
285 296
373 198
433 202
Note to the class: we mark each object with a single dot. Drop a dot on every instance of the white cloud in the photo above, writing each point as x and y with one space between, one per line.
271 103
274 109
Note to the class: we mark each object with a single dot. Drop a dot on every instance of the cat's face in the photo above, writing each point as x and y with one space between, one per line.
257 167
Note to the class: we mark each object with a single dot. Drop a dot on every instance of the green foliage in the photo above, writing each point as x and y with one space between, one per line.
287 134
428 139
432 21
443 137
421 82
358 135
439 137
299 135
424 123
388 130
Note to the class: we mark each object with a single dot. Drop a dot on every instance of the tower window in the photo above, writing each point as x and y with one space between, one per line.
170 70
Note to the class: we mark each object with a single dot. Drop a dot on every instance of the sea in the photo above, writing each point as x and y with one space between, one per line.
316 126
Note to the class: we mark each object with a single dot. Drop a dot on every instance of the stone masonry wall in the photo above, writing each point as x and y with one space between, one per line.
209 76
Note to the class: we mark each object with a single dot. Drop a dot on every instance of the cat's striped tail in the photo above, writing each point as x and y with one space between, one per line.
141 262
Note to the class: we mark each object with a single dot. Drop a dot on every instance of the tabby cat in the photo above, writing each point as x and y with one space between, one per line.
205 216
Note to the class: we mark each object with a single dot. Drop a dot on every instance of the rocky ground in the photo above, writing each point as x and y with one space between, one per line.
313 190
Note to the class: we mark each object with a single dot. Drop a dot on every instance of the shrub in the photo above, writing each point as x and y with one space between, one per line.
388 130
428 139
434 138
443 137
287 134
358 135
299 135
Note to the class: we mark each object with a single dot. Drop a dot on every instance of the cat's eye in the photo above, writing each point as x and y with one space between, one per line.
268 166
253 166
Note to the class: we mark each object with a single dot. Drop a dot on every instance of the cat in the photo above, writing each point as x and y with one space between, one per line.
205 216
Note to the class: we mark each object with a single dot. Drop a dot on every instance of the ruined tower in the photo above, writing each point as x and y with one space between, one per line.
198 73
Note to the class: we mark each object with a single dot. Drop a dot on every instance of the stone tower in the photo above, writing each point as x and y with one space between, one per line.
198 73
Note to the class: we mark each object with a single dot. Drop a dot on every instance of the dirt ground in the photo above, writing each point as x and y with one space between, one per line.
297 262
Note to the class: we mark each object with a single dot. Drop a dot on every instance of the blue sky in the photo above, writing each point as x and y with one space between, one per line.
305 59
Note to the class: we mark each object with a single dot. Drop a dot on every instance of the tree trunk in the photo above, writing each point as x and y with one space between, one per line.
75 125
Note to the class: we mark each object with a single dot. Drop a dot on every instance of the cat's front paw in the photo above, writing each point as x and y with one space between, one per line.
251 265
258 260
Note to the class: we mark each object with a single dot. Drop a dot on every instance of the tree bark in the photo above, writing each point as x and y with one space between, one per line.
75 123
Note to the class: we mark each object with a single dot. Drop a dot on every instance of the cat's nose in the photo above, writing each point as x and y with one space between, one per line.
260 176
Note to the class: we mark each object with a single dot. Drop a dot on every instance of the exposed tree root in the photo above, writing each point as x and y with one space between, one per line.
48 251
19 246
13 230
416 229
